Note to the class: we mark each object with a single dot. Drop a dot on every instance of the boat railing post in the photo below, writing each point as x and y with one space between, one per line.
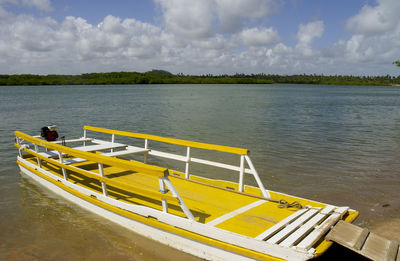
64 171
163 190
112 141
146 147
241 174
39 161
182 204
84 137
264 192
103 184
187 175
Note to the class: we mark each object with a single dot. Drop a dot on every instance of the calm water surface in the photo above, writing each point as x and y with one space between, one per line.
335 144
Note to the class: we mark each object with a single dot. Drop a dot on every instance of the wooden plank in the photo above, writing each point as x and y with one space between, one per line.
234 213
72 140
319 231
348 235
307 227
74 160
101 147
186 143
292 226
275 228
379 248
129 150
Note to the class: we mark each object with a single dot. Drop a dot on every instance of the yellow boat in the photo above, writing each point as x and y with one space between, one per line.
209 218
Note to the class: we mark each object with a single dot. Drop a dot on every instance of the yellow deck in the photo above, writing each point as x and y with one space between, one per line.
206 200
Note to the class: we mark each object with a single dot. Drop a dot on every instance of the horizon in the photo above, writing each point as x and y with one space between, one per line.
217 37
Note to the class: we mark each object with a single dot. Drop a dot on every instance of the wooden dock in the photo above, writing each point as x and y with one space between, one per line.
363 242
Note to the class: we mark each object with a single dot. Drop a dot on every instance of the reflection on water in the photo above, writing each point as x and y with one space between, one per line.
335 144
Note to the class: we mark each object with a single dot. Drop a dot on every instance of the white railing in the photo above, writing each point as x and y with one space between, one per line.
188 158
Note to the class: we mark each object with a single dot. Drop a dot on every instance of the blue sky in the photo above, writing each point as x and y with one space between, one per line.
357 37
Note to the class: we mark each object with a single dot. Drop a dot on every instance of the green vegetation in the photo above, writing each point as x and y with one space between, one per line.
397 63
164 77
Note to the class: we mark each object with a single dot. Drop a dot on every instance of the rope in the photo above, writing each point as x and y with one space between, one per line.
284 204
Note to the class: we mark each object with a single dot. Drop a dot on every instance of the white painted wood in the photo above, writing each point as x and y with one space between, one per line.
241 174
292 226
103 184
234 213
50 154
167 155
127 151
73 140
146 146
101 147
275 228
318 232
220 165
264 192
187 163
74 160
60 156
307 227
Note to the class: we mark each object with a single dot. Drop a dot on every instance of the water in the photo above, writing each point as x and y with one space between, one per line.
335 144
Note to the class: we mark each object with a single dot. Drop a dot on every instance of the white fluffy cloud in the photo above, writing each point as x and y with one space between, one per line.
259 36
202 18
306 34
195 38
376 19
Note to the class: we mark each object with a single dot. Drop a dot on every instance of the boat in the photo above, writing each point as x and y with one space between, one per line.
121 176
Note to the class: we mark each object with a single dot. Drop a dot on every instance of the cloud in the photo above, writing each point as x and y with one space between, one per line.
306 34
375 19
43 5
188 18
194 39
259 36
204 18
234 15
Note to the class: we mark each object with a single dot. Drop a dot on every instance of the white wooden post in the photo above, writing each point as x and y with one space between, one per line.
187 163
146 146
39 161
185 209
103 184
112 141
84 137
241 174
64 171
163 190
259 182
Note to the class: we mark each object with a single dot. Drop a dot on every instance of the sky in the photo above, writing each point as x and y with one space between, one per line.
346 37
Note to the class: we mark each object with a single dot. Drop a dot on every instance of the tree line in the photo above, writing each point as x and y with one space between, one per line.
164 77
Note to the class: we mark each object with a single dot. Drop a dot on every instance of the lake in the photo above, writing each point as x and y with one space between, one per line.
335 144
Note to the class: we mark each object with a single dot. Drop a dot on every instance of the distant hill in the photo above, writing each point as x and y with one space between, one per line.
160 72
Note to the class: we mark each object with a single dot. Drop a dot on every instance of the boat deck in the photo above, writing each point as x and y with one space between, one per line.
241 213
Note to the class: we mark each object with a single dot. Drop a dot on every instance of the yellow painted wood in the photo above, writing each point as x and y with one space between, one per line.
186 143
154 223
135 166
133 187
